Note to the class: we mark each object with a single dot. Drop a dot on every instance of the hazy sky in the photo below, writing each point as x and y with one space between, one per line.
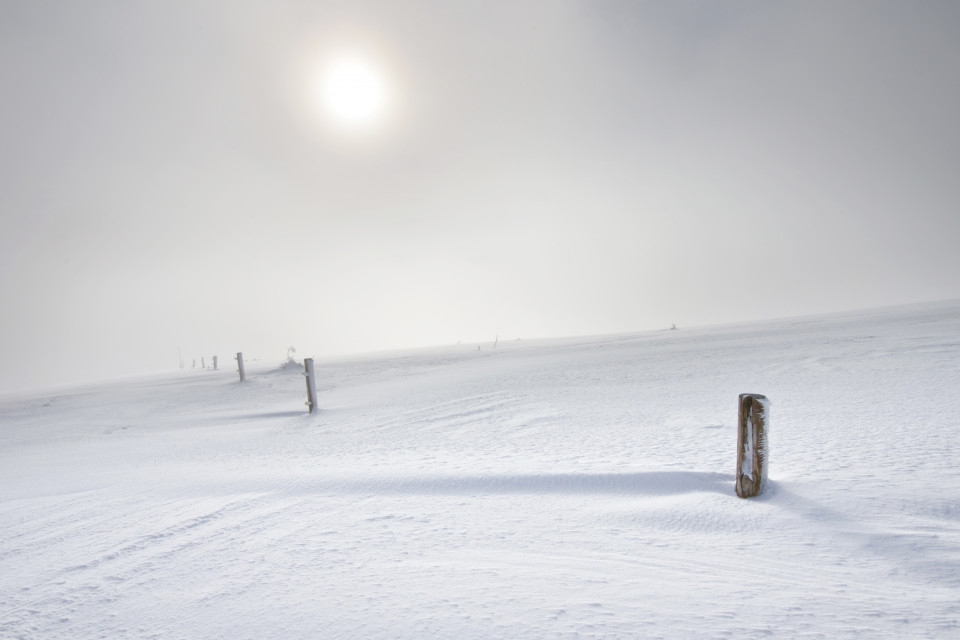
168 178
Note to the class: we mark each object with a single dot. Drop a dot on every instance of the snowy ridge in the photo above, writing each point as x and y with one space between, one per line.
563 488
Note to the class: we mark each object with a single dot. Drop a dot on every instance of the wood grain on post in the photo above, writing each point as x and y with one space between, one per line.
311 384
752 449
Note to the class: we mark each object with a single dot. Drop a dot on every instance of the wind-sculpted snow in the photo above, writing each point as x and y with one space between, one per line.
568 489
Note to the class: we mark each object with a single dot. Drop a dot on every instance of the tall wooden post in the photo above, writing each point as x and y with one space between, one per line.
214 363
752 451
239 359
311 384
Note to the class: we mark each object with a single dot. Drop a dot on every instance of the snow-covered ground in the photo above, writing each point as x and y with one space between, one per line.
545 489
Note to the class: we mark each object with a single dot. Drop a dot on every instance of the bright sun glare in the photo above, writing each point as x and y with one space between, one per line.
353 91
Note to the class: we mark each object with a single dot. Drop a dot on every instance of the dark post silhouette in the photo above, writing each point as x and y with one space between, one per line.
311 384
239 359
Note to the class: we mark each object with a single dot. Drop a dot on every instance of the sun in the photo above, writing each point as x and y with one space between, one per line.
353 91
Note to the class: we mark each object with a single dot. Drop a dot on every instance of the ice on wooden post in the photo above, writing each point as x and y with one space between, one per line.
311 384
239 360
752 451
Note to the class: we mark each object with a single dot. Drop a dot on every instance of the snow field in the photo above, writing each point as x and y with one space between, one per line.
547 489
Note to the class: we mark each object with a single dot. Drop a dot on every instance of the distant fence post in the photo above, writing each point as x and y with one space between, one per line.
752 450
311 384
214 363
239 359
203 362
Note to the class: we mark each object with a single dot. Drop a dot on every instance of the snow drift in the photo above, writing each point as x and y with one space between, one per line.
564 488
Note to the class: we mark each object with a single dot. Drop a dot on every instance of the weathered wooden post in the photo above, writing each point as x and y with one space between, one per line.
311 384
214 363
752 450
239 360
203 362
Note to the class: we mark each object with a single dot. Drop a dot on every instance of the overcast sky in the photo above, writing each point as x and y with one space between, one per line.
540 168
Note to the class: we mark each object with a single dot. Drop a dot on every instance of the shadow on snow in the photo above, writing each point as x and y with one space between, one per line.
649 483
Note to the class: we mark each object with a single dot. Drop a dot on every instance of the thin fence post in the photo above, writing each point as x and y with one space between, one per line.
203 362
752 450
239 360
311 384
214 363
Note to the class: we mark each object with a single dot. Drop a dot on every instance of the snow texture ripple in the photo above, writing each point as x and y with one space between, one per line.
578 488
